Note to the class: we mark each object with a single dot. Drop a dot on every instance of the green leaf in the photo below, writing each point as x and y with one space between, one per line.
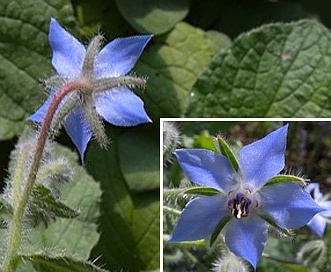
202 191
226 151
44 263
139 158
130 220
173 62
77 236
99 15
278 70
25 57
286 178
43 202
153 16
204 140
235 17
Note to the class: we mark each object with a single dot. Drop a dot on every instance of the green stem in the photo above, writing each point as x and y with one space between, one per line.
16 225
170 210
280 260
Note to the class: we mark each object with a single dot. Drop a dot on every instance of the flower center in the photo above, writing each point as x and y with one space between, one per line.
239 206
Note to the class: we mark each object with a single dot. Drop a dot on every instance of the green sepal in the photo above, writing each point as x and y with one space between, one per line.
45 206
286 178
283 231
219 228
222 147
207 191
44 263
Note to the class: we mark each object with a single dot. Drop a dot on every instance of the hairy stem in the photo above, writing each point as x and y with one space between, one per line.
16 225
169 210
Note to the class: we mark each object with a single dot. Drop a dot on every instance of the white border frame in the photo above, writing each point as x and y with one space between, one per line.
162 120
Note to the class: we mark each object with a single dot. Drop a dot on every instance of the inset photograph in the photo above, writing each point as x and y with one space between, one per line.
246 195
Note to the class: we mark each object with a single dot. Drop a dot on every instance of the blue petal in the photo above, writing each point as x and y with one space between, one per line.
200 218
206 168
68 53
317 225
121 107
78 129
314 190
327 206
247 237
119 56
263 159
288 204
38 116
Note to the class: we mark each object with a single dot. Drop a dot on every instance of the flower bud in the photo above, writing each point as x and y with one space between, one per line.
44 203
230 262
170 140
311 253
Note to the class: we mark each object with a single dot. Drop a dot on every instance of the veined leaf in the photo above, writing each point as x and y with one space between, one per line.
277 70
25 57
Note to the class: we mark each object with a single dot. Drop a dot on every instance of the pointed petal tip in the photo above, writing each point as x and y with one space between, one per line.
263 159
68 52
170 239
173 239
252 262
82 158
127 108
253 232
36 117
54 23
285 127
322 209
81 151
30 118
149 37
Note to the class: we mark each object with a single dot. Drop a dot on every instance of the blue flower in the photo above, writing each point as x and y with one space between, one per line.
107 92
244 196
318 223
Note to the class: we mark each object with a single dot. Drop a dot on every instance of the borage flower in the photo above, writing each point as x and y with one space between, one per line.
103 87
319 221
249 195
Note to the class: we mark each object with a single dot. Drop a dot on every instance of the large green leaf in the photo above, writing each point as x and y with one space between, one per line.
139 158
45 203
24 57
278 70
99 14
44 263
130 219
172 64
153 16
235 17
